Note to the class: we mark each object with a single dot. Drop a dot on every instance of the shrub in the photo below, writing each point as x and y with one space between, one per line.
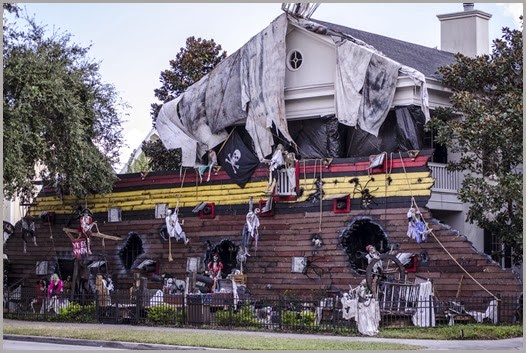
295 319
164 314
77 313
244 317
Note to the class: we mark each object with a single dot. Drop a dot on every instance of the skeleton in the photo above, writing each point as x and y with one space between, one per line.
276 162
233 160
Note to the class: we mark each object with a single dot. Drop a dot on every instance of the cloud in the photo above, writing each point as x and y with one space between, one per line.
513 10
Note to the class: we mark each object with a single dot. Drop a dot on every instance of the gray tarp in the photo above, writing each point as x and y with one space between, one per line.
250 85
230 93
263 85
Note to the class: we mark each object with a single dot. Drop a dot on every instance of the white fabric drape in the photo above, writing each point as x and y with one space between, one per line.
425 312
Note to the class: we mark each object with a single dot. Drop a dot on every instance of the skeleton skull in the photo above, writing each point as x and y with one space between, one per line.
233 159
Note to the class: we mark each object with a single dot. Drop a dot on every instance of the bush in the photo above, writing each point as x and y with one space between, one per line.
298 319
77 313
164 314
244 317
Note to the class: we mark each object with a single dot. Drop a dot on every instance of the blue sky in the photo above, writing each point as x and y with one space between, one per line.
135 41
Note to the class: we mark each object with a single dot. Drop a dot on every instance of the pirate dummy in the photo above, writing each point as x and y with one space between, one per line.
56 286
40 290
276 162
212 163
214 270
372 254
174 227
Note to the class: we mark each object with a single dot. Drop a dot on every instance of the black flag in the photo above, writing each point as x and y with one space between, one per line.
237 159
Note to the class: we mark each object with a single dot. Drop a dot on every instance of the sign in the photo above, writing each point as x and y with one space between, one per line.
79 247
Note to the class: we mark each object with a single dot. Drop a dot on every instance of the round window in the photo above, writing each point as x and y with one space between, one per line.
295 59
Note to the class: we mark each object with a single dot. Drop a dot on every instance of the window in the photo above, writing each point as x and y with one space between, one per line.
440 153
131 250
498 251
114 214
160 210
294 61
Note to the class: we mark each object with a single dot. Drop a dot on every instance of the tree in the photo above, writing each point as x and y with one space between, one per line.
58 115
198 58
488 95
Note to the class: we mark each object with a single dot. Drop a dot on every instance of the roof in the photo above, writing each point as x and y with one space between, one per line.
424 59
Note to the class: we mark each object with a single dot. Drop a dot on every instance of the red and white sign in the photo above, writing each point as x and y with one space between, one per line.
80 247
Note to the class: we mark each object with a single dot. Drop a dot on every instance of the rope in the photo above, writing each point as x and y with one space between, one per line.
430 231
321 194
176 211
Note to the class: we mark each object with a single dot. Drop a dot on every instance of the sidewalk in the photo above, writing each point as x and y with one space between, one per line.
492 345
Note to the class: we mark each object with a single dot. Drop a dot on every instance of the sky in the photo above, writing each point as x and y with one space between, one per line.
134 42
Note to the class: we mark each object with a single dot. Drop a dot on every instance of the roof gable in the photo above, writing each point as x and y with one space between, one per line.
424 59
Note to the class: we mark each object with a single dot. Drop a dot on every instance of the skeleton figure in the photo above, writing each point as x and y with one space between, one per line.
174 227
276 162
86 224
233 160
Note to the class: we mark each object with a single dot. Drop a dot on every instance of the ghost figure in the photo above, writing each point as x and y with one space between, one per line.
233 159
173 227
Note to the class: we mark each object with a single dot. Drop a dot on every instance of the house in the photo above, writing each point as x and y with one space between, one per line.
299 150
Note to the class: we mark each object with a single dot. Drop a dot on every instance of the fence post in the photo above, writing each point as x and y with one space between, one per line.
499 308
430 309
97 307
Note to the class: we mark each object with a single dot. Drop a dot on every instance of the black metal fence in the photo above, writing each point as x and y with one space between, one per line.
334 314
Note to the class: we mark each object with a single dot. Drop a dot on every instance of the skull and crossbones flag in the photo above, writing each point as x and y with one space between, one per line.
237 159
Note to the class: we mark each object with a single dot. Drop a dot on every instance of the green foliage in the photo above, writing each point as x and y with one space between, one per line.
75 312
195 60
141 164
244 317
488 94
58 115
164 314
298 319
159 158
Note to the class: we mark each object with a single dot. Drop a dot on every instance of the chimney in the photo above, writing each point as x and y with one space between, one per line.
465 32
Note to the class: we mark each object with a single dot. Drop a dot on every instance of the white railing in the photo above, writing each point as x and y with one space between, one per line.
445 180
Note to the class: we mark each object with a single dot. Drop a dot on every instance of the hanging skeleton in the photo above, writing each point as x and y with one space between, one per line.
174 227
276 162
27 226
416 227
85 229
250 230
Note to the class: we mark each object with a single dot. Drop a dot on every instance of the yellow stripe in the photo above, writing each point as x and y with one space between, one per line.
410 184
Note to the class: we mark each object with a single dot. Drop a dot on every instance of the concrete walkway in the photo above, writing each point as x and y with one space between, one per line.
489 345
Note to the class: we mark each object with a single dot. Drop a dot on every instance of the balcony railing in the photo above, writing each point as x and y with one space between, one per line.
445 180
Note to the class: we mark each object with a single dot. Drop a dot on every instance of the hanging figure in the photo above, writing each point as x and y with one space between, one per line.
9 229
174 227
250 229
214 270
86 224
27 223
416 227
276 162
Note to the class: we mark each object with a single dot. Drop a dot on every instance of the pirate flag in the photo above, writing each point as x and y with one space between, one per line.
237 159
